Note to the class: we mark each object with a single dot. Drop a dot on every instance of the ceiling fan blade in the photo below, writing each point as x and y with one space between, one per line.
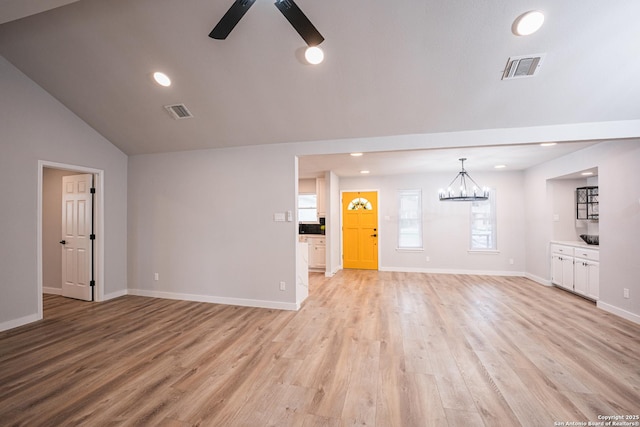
230 19
300 22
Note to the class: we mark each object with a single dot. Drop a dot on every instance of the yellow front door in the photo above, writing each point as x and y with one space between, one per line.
360 230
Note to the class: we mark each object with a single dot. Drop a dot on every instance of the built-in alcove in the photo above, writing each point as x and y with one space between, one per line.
563 202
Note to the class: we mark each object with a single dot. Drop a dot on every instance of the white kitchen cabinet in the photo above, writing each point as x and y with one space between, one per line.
317 251
562 270
321 194
587 278
587 272
576 268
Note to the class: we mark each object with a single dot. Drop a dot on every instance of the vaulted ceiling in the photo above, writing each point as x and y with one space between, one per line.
391 68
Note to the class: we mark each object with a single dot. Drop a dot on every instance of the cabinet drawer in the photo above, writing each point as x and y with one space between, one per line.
313 240
561 249
591 254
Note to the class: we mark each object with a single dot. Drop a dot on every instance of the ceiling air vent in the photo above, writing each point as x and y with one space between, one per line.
179 111
522 66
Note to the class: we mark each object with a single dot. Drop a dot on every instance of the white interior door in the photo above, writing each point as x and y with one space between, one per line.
76 245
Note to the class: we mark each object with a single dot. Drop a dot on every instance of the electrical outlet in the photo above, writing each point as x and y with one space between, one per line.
283 286
428 258
511 261
156 276
626 293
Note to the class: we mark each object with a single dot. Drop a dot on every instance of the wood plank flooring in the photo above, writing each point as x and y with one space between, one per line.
367 348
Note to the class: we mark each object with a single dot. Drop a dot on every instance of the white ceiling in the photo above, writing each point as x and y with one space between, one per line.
392 68
478 159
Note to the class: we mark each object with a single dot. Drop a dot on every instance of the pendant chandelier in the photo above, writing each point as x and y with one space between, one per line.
463 189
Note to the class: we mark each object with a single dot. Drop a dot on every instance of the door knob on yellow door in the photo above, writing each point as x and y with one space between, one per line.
374 235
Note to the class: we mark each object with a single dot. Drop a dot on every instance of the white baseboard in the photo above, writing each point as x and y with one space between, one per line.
332 273
538 279
277 305
452 271
52 291
116 294
619 312
19 322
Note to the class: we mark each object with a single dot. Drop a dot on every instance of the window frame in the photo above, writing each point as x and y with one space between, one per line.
309 209
490 219
417 220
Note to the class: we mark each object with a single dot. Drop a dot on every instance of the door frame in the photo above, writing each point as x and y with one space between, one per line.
342 223
98 227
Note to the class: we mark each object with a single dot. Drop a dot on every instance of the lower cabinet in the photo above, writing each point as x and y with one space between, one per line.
576 269
317 251
587 278
562 271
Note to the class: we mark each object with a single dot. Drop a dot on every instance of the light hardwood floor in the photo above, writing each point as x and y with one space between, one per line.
367 348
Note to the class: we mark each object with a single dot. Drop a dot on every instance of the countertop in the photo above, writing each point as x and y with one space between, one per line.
575 244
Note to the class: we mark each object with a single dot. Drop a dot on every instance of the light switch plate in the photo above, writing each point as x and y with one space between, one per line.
278 217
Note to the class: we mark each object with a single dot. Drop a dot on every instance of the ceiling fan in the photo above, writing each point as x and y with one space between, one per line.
289 9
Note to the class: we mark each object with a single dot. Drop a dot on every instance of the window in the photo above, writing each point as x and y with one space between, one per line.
359 203
410 219
307 208
483 224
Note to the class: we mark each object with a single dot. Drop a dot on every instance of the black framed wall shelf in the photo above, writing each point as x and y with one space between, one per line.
587 203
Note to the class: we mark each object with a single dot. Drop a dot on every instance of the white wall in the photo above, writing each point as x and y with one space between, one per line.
307 186
446 224
34 126
561 194
334 260
204 221
619 225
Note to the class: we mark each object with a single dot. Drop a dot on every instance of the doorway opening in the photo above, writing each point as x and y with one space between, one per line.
49 258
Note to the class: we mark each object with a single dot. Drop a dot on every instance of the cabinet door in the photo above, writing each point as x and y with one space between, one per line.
587 278
320 255
562 271
581 277
317 252
567 272
593 285
313 261
556 269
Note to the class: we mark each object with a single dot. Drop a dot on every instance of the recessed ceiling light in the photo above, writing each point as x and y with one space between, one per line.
314 55
528 23
500 166
364 172
162 79
586 173
356 154
548 144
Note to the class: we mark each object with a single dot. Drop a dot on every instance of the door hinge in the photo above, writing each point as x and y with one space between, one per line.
92 283
92 237
93 190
